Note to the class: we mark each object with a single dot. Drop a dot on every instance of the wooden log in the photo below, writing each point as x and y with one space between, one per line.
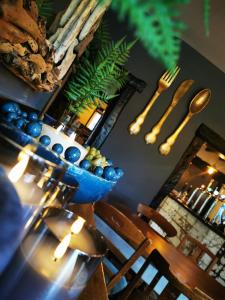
67 61
55 24
54 37
69 12
11 33
94 17
18 16
82 46
23 47
73 32
70 23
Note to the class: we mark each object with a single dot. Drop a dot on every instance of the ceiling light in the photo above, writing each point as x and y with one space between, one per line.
211 170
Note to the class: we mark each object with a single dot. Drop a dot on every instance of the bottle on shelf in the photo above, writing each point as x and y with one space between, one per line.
208 202
213 212
183 193
197 192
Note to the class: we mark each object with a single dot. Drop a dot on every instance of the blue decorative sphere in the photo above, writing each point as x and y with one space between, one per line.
85 164
119 173
33 129
19 123
109 173
24 114
19 112
9 117
98 171
9 107
57 148
45 140
32 116
110 162
72 154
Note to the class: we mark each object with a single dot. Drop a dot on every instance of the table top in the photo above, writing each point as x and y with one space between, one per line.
180 265
96 287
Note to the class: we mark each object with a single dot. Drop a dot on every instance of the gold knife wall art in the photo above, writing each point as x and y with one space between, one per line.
151 137
198 103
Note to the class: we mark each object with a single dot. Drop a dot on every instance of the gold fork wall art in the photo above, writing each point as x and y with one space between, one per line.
164 82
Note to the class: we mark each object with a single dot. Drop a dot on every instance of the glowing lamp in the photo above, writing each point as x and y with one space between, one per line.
211 170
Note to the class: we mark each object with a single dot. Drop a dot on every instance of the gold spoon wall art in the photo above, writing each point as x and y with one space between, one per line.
164 82
197 104
151 137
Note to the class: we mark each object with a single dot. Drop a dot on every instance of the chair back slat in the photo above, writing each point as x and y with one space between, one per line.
156 217
198 251
119 223
128 231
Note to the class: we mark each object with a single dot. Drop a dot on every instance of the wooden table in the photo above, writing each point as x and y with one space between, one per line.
181 266
96 287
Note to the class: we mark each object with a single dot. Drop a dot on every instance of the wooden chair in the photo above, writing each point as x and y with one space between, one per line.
117 221
171 292
196 251
153 215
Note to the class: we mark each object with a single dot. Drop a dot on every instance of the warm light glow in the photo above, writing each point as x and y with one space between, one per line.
62 247
17 171
53 196
221 156
59 128
211 170
72 136
77 225
64 244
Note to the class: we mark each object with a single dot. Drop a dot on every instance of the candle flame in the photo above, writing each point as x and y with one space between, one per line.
17 171
62 247
64 244
77 225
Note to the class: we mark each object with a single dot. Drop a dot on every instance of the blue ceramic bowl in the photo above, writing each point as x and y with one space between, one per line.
15 134
91 187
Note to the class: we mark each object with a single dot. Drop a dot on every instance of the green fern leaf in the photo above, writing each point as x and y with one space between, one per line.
45 8
207 8
156 24
100 78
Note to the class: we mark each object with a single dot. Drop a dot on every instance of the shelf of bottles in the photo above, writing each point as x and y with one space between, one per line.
208 202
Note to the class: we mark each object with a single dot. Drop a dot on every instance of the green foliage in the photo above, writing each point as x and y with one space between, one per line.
98 78
101 39
45 8
156 24
207 8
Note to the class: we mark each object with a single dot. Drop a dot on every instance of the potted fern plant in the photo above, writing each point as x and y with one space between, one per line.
99 75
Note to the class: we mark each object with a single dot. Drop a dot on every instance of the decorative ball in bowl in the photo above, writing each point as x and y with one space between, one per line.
91 187
95 175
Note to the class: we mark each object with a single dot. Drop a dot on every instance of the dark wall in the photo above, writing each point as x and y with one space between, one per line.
145 169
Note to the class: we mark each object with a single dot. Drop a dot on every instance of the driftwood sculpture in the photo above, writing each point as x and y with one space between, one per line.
72 31
23 45
25 50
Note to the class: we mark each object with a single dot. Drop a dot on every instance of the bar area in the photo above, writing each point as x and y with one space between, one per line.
112 150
